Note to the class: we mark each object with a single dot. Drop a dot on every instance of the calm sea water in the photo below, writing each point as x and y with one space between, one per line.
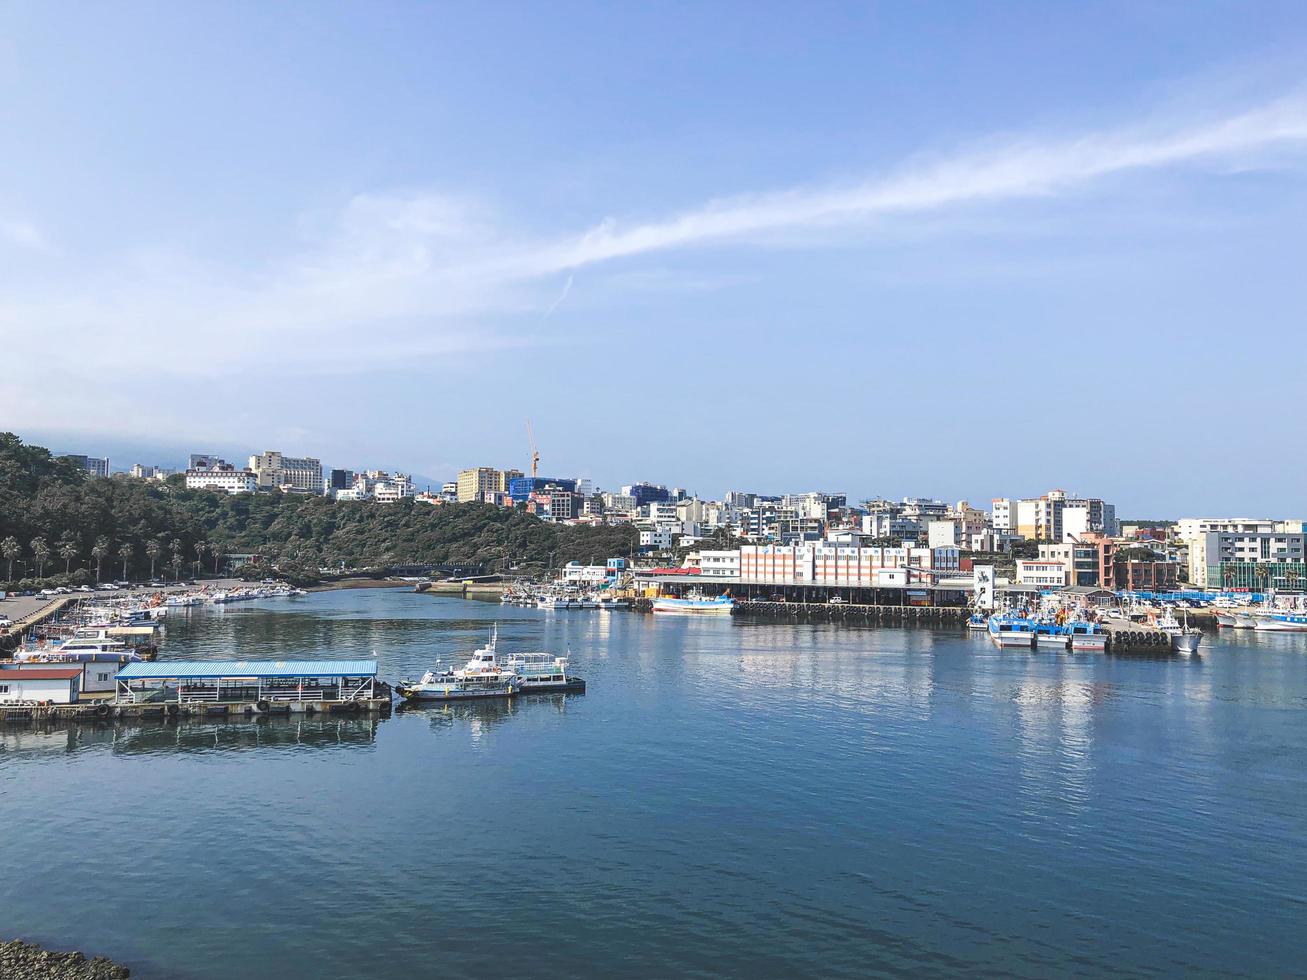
729 798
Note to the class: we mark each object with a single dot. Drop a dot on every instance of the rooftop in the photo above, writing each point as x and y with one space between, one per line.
188 669
41 673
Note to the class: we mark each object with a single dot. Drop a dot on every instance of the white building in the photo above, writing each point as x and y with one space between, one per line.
574 573
388 489
656 539
224 477
272 469
719 564
826 563
1230 559
94 465
62 685
1044 572
1003 514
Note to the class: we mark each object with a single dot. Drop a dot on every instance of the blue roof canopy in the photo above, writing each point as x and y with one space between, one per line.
193 669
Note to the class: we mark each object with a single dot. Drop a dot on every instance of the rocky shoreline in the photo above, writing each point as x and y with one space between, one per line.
27 961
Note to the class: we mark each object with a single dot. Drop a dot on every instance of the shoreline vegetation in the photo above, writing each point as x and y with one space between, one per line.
28 961
61 526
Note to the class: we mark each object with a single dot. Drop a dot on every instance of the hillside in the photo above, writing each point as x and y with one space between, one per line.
56 521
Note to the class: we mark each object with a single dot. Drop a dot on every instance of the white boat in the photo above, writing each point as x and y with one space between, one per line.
1007 630
1281 622
1245 621
1184 638
551 602
695 604
1225 619
481 677
977 623
1087 636
542 672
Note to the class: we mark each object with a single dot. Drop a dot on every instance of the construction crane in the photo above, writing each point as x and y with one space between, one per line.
535 455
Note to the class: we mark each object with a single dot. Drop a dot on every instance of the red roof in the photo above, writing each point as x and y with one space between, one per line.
41 673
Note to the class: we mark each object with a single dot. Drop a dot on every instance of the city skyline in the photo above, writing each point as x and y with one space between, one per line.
870 251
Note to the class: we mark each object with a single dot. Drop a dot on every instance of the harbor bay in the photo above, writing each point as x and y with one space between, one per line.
729 796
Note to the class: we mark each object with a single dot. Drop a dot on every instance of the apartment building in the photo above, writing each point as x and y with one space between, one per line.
274 470
221 476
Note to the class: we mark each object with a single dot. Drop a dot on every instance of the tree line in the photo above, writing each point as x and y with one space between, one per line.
59 524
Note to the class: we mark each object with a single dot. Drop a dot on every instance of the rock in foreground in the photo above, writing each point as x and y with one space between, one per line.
24 961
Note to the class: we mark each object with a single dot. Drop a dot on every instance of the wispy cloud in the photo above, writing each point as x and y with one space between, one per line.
396 276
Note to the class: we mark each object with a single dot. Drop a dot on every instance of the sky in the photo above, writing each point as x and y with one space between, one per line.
940 249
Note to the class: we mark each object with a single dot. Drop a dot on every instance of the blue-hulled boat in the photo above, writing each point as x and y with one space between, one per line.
1051 634
1007 630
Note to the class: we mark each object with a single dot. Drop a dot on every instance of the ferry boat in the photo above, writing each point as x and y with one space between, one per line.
1184 638
1087 636
1051 634
1007 630
481 677
542 672
695 604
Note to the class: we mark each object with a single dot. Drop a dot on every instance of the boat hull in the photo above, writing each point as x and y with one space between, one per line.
1186 642
573 685
1279 626
1089 644
1050 640
1012 639
416 695
686 607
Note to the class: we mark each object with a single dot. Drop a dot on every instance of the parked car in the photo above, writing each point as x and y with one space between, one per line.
5 621
836 601
85 588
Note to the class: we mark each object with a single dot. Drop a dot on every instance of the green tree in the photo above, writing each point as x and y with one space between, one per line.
200 549
11 549
41 553
176 548
68 548
125 553
99 551
152 551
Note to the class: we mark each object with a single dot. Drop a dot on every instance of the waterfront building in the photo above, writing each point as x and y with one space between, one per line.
296 473
1135 575
40 682
720 564
1087 562
1042 572
94 465
830 564
1247 559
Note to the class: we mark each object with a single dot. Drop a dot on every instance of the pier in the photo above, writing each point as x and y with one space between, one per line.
852 612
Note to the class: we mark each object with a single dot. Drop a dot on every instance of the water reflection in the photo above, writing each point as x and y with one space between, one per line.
481 716
160 737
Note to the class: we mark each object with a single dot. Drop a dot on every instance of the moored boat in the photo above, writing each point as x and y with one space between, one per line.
1051 634
695 604
1184 638
1087 636
1007 630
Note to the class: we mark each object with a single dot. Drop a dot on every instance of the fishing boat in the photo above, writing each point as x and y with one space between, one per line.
1225 619
977 623
1007 630
695 604
1050 634
1087 636
1184 638
1281 622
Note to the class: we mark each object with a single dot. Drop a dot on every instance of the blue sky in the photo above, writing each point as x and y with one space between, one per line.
932 249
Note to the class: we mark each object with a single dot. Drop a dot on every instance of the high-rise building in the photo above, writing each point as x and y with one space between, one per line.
1040 519
273 470
94 465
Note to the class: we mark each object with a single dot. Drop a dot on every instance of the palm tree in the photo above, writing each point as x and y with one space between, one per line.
98 552
176 548
11 549
153 548
200 549
216 551
41 552
125 553
68 549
